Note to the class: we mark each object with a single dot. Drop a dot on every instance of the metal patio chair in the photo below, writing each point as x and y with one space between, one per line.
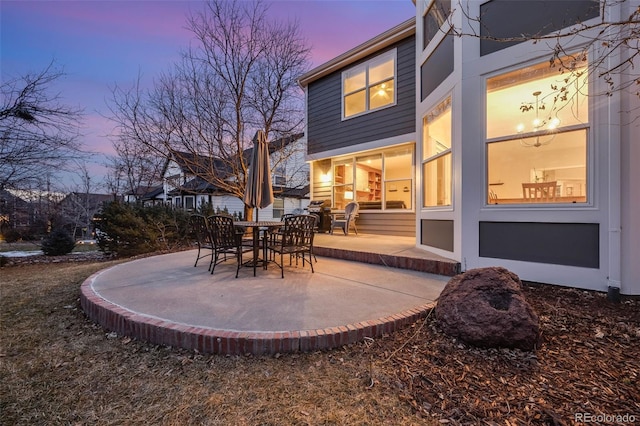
296 240
226 239
200 231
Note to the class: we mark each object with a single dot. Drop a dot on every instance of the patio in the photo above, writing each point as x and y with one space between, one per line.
165 300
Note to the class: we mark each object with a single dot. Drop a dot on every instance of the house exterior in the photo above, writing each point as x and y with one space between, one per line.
146 195
290 178
361 146
512 162
16 214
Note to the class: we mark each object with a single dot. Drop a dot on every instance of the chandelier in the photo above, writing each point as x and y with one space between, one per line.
541 131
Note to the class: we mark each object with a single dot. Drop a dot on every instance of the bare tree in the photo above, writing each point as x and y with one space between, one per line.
134 169
77 209
240 76
38 134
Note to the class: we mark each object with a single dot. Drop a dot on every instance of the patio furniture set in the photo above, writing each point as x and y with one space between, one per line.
220 238
225 238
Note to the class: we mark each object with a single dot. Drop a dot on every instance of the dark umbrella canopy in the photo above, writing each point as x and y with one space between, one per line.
259 191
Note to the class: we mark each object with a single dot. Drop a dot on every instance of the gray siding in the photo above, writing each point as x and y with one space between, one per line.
327 131
400 224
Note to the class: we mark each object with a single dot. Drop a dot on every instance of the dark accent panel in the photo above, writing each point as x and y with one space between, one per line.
437 233
571 244
506 19
437 67
327 131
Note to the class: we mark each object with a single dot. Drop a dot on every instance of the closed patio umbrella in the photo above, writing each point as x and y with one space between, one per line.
259 191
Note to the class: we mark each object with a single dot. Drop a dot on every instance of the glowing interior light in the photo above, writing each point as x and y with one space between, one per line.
554 124
536 123
520 128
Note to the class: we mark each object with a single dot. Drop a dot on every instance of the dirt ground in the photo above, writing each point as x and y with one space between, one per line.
57 367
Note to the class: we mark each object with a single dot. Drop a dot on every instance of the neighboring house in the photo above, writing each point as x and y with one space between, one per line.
77 210
290 179
27 213
428 132
15 212
146 195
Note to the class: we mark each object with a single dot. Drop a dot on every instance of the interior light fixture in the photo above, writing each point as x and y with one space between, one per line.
540 128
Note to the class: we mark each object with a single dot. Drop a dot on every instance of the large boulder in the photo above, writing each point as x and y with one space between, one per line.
486 307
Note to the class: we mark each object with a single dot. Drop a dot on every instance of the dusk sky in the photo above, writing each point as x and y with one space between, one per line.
100 44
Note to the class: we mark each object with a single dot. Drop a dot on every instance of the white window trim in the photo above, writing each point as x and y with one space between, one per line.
391 53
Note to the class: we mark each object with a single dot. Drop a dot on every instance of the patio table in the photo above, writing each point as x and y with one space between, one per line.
257 226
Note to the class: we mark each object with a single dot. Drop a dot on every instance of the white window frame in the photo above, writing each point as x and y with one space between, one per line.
588 127
352 159
448 100
393 53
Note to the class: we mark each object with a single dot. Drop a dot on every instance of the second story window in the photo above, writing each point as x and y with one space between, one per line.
435 15
369 86
280 176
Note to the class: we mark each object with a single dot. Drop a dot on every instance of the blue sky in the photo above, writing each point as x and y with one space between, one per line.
100 44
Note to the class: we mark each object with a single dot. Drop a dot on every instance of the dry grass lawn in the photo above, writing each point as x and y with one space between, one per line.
57 367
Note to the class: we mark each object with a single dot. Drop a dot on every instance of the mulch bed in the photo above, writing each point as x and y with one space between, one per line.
587 366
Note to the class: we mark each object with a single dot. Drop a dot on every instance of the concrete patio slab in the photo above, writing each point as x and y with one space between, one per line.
165 300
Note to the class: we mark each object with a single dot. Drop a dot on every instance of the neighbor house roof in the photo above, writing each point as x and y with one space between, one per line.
194 164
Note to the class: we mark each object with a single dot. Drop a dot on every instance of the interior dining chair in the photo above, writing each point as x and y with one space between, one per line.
348 220
200 231
226 239
296 240
540 192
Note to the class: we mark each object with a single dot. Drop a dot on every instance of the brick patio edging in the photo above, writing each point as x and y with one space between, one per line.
207 340
431 266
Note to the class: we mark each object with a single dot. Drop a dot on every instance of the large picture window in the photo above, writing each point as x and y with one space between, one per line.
537 134
369 86
436 148
380 180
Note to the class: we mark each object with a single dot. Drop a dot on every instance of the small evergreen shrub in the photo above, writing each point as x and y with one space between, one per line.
127 230
58 243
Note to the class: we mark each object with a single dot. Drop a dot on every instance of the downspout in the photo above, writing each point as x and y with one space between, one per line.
614 280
